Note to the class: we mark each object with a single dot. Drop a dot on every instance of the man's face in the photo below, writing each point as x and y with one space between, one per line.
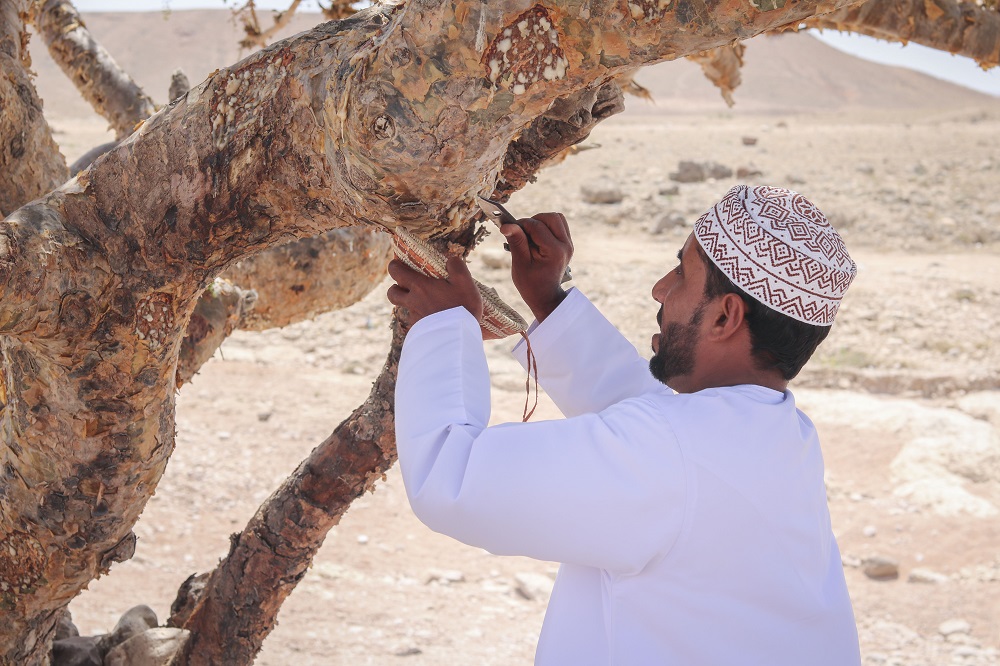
681 295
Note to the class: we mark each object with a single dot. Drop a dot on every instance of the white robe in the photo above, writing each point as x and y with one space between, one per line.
692 529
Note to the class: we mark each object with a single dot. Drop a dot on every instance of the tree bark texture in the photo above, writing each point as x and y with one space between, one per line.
721 66
220 310
239 605
310 276
30 162
398 115
962 28
112 92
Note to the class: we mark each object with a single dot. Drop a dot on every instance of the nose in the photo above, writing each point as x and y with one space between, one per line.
660 288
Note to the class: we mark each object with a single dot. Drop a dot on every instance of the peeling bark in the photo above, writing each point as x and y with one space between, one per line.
112 92
391 117
239 605
962 28
30 162
220 310
310 276
721 66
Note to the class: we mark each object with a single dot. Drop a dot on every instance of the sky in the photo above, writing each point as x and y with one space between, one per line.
956 69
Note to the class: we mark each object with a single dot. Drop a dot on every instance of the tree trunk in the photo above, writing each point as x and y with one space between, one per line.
239 606
112 92
962 28
398 115
30 162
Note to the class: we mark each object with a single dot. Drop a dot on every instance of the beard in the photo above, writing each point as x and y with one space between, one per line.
675 354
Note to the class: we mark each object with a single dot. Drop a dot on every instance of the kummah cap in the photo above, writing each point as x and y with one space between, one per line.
780 249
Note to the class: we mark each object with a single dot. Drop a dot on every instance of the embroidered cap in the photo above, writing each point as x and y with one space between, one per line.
780 249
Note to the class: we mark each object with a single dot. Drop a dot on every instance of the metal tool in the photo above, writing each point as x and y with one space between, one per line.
500 215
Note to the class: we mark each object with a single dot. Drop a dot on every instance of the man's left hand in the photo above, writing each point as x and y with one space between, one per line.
422 295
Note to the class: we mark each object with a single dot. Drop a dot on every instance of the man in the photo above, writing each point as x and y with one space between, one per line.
692 527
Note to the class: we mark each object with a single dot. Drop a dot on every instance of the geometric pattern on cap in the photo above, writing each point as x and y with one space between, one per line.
780 249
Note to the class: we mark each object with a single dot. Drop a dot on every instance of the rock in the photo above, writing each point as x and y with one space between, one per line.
870 531
136 620
718 171
926 576
672 220
444 576
363 539
795 180
495 258
533 586
748 172
154 647
880 568
954 626
65 627
604 193
669 191
77 651
749 141
689 172
866 169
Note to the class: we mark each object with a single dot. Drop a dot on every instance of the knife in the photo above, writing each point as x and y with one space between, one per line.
500 215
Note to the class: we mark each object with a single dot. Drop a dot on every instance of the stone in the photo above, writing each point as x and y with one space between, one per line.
602 193
749 141
672 220
870 531
866 169
135 621
954 626
880 568
65 627
669 191
533 586
689 172
154 647
77 651
795 180
926 576
748 172
444 576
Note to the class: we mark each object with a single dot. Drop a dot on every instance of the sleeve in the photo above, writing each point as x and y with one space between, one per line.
584 363
604 490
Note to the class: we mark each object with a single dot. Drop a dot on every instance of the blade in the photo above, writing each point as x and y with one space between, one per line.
495 211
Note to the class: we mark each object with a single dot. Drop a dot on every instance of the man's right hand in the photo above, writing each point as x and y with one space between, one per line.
540 249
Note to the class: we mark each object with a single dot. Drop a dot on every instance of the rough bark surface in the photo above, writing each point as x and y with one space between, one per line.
30 162
220 310
112 92
310 276
962 28
722 67
399 115
239 605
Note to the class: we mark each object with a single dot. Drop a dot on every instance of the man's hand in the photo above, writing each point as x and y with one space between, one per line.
540 249
422 295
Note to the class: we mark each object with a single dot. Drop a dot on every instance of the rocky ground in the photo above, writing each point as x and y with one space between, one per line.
904 393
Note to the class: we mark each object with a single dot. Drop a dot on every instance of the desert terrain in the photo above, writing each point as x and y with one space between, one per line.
904 392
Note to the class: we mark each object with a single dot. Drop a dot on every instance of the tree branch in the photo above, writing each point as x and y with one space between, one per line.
30 162
255 37
962 28
240 602
112 92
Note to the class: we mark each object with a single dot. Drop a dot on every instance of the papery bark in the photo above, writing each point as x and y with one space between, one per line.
30 162
962 28
112 92
721 66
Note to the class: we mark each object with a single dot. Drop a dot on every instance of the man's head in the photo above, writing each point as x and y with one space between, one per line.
756 291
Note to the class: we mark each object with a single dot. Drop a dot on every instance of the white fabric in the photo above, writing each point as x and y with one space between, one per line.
693 529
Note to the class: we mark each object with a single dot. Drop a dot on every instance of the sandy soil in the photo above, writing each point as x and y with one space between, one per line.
904 394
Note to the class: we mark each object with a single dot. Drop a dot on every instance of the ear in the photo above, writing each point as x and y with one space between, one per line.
730 315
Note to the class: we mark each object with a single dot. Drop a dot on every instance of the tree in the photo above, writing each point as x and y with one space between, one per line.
395 116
